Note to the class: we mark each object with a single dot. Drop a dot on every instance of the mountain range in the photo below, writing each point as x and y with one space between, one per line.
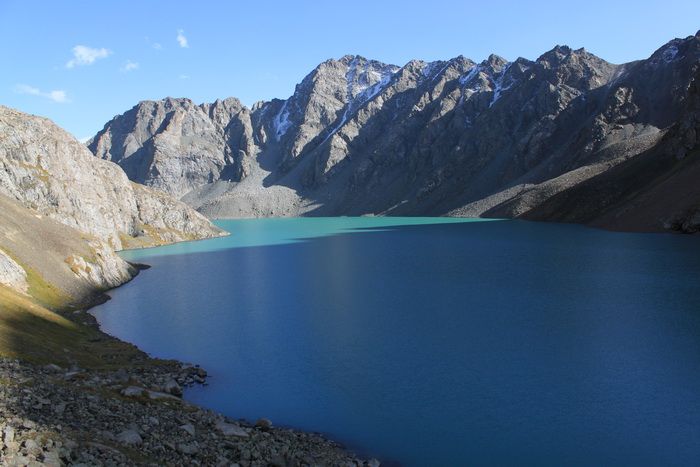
567 137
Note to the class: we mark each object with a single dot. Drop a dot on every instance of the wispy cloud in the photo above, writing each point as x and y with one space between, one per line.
154 45
181 39
129 66
184 76
84 55
57 95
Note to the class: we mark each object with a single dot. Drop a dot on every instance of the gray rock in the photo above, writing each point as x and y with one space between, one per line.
51 459
59 408
28 424
263 423
132 391
189 428
71 375
15 460
32 447
157 395
121 376
8 434
129 437
188 448
230 429
171 387
12 274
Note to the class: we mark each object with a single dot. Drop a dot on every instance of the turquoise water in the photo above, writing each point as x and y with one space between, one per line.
280 231
437 341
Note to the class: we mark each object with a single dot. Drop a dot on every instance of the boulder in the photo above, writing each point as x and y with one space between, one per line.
129 437
171 387
231 429
189 428
132 391
263 424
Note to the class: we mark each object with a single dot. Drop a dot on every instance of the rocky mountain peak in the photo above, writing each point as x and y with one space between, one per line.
327 96
172 103
363 74
222 111
461 64
676 50
349 58
577 69
259 105
495 62
554 56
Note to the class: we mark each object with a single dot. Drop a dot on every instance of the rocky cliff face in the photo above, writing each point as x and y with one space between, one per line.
48 171
450 137
12 274
63 213
56 264
175 145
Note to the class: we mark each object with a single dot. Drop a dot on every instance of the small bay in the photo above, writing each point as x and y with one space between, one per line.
436 341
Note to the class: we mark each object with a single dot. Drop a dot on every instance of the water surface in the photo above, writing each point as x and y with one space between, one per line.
437 341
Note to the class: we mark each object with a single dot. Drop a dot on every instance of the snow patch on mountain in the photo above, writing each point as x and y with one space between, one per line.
281 122
362 87
501 83
465 79
429 69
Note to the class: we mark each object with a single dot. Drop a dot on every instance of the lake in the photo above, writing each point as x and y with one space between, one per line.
433 341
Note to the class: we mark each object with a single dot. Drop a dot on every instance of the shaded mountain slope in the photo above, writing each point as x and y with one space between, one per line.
658 189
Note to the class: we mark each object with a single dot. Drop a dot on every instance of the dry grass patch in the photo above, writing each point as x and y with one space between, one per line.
31 332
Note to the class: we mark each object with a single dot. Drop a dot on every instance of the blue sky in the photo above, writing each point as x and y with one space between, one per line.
80 63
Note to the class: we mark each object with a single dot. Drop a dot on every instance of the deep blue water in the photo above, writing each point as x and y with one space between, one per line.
479 343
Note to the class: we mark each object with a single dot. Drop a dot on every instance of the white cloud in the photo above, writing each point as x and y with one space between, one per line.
181 39
129 66
83 55
84 139
184 76
57 95
155 45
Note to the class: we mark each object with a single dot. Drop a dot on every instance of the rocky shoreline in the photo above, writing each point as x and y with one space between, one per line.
128 410
71 416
